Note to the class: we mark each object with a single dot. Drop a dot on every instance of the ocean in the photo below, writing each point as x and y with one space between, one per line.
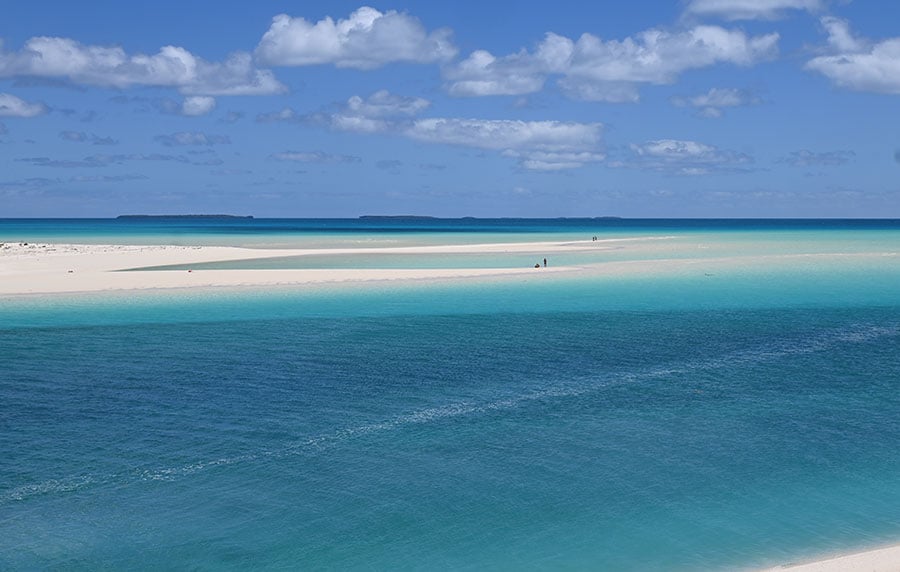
731 403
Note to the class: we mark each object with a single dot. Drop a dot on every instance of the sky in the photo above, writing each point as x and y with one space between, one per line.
692 108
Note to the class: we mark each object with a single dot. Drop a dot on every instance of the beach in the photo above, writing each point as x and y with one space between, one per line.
662 398
41 268
878 560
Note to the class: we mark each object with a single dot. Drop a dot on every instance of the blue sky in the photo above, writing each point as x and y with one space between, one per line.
706 108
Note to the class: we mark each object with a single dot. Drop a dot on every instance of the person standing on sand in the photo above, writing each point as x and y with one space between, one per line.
545 263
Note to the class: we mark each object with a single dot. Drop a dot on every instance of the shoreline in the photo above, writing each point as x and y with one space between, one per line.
884 559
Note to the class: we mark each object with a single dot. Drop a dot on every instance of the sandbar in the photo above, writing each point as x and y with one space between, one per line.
879 560
42 268
39 268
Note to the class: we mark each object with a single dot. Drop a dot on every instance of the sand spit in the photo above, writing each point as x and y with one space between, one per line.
35 268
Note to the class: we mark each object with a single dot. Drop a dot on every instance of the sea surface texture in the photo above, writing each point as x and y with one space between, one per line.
740 409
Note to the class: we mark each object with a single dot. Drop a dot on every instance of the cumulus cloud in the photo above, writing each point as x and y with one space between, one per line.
685 158
857 63
385 104
806 158
367 39
537 145
750 9
382 111
501 134
484 74
192 138
711 103
606 70
198 105
64 58
12 106
314 157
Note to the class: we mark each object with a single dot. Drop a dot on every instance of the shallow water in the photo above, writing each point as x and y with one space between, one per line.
674 421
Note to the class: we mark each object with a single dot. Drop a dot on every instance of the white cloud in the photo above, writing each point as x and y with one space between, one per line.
198 105
381 111
175 67
367 39
750 9
503 134
385 104
685 157
537 145
483 74
711 103
859 64
840 38
607 70
12 106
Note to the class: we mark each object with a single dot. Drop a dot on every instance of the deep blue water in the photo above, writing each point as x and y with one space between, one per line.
686 422
41 229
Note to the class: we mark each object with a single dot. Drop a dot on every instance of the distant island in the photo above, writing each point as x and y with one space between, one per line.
396 217
205 216
422 217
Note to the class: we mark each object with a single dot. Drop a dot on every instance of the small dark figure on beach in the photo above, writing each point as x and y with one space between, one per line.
545 263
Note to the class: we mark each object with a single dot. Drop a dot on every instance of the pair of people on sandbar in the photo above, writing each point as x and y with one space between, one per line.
538 265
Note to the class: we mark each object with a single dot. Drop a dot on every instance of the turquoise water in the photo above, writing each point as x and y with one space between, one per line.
679 421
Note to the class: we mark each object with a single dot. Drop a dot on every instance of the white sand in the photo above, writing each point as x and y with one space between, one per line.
34 268
880 560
